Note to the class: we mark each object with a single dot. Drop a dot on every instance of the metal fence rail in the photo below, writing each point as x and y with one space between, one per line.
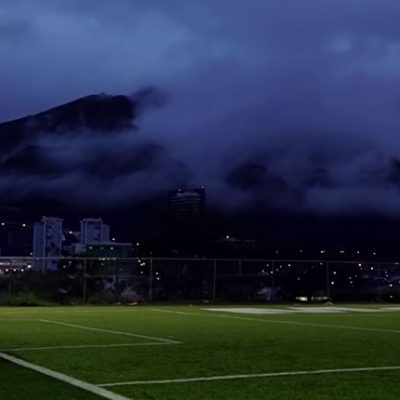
28 280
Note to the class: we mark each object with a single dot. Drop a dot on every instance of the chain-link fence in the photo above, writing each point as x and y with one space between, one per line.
33 281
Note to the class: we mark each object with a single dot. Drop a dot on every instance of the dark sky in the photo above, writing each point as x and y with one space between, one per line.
294 85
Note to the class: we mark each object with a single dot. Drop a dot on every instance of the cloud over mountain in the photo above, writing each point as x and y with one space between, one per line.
293 105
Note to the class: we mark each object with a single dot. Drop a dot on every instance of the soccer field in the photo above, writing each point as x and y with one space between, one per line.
179 353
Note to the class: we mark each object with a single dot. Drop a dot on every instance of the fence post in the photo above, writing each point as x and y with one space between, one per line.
214 293
328 283
116 272
9 285
379 284
273 280
151 281
84 288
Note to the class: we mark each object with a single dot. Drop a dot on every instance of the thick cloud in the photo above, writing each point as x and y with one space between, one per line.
295 87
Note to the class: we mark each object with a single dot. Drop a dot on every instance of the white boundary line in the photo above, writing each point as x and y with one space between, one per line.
69 309
277 321
89 328
251 376
64 378
83 346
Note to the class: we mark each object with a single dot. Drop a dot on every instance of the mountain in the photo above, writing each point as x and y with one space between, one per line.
91 157
88 152
100 113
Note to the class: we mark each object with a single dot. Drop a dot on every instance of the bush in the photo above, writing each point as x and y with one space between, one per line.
101 298
26 299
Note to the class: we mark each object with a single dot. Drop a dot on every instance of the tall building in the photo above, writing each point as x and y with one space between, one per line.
94 230
47 242
187 204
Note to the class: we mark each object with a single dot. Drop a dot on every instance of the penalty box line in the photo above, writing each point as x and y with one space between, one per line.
277 321
88 387
83 346
122 333
251 376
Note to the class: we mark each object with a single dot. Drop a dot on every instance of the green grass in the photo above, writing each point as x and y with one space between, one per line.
213 344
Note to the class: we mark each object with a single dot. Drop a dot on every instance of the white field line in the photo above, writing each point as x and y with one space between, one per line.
106 394
89 328
276 321
250 310
69 310
83 346
251 376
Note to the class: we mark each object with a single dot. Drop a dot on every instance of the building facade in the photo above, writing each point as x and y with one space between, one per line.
47 243
186 206
94 230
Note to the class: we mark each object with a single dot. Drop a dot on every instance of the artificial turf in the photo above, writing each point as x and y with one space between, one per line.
212 344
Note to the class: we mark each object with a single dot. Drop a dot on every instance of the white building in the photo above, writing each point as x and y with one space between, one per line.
47 242
94 230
